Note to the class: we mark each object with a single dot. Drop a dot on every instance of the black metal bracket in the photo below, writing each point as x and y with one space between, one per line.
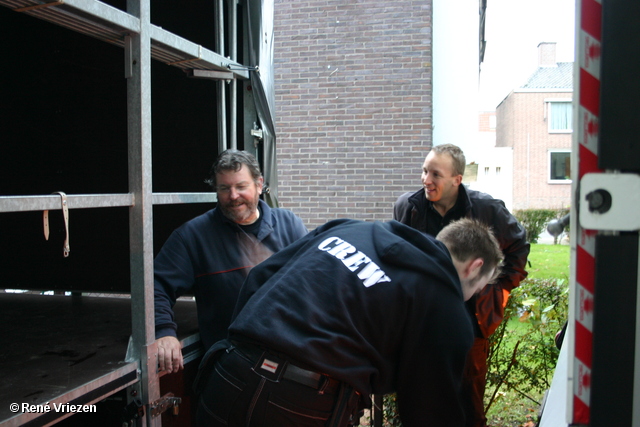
133 411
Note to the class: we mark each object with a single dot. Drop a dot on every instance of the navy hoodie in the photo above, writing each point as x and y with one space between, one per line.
209 257
376 305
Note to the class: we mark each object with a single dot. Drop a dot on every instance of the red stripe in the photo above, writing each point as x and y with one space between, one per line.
589 92
590 23
580 412
583 351
223 271
588 162
585 269
591 18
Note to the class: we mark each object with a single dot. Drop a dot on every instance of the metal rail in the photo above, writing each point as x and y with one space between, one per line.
112 25
141 42
83 201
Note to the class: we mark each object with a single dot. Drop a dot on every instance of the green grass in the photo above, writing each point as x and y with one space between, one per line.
510 408
548 261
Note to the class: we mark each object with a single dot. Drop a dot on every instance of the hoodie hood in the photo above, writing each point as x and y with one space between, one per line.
411 249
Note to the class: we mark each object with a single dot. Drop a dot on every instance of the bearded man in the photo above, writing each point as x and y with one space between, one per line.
211 255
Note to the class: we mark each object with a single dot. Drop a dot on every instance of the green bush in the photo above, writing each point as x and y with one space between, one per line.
535 220
390 416
522 352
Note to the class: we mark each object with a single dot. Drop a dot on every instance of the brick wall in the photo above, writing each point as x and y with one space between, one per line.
353 105
487 121
522 124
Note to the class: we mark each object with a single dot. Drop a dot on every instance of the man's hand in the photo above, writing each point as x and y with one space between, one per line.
169 354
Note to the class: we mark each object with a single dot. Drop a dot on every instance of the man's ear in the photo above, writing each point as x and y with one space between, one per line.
473 268
260 184
458 180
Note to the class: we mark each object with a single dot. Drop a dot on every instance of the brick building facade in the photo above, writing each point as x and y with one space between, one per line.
353 105
535 121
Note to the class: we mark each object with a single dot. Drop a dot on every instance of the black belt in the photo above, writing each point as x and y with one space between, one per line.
315 380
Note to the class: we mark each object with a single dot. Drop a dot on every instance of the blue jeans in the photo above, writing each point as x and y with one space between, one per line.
252 391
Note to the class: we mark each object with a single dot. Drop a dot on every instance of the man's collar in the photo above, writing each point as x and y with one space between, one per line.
462 201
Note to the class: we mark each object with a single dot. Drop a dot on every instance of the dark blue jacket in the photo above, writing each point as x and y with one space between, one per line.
209 257
376 305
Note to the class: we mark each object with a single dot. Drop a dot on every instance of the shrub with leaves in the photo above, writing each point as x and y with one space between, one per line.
535 221
391 417
522 352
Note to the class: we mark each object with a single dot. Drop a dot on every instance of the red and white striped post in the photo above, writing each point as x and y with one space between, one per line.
587 95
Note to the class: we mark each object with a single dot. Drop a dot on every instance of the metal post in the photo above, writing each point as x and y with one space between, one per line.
142 346
635 416
222 99
249 116
233 84
613 394
377 410
584 160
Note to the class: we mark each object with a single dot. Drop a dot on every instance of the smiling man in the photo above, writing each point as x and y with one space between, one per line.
211 255
239 194
441 178
444 199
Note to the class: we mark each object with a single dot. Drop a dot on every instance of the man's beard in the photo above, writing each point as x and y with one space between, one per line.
239 217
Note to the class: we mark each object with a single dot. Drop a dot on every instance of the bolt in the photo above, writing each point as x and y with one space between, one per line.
599 201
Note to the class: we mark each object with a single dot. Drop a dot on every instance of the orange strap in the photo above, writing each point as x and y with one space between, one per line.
505 297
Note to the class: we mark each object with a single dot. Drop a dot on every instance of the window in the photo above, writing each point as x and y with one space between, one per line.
486 171
559 165
560 116
498 170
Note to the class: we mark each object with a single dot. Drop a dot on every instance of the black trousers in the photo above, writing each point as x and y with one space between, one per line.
253 389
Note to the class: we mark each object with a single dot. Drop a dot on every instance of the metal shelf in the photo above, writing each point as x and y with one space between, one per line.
82 201
178 198
132 31
74 201
80 368
112 25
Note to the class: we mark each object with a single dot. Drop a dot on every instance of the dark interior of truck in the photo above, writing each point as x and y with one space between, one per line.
63 121
64 128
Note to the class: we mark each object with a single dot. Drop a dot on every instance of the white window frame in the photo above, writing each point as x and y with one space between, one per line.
493 122
548 111
551 152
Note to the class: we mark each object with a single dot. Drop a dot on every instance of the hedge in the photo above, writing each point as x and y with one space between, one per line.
535 220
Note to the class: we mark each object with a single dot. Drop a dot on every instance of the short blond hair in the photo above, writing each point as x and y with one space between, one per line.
459 161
